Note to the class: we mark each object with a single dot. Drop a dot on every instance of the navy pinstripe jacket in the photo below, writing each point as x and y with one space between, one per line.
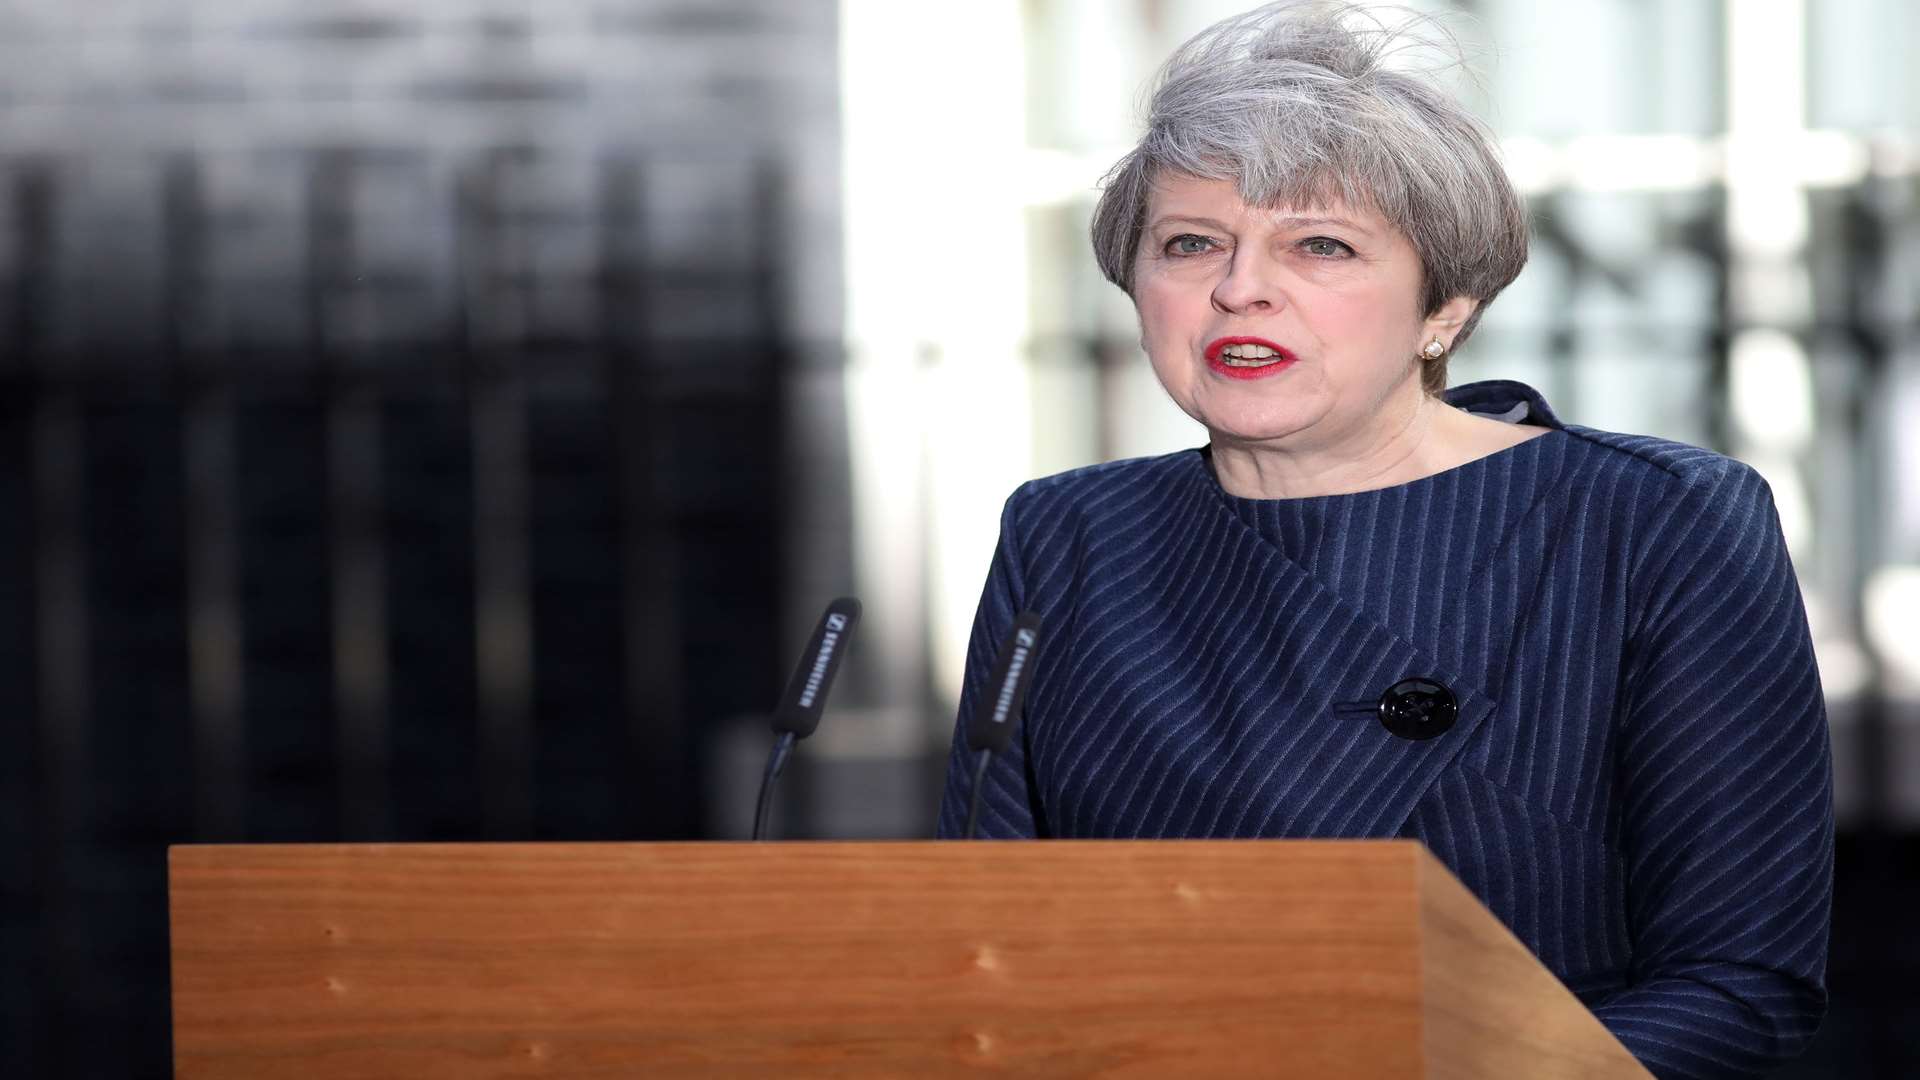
1638 780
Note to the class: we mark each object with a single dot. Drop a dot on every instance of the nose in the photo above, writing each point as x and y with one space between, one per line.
1250 285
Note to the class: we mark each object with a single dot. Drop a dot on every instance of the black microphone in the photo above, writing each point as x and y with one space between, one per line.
799 710
990 728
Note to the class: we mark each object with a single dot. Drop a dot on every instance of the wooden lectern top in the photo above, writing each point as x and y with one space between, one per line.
1325 959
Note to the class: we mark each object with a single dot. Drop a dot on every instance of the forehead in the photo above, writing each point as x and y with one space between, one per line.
1175 198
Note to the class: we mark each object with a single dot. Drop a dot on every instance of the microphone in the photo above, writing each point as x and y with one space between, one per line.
990 728
805 699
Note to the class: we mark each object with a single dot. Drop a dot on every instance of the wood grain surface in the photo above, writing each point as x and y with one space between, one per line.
1214 958
1490 1008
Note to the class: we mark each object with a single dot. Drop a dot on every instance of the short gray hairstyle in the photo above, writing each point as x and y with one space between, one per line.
1295 104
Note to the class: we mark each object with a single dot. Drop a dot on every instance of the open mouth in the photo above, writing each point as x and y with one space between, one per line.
1246 357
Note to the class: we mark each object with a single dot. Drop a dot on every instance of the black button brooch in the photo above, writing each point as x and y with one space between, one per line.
1415 709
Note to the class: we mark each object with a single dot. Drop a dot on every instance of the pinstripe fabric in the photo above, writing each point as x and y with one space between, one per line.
1638 782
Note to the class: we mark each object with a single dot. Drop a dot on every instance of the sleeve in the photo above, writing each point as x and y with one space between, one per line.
1007 807
1726 791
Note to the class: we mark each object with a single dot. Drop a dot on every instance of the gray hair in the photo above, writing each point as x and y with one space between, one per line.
1295 104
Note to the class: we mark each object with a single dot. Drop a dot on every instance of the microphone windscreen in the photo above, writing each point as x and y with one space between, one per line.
806 696
994 712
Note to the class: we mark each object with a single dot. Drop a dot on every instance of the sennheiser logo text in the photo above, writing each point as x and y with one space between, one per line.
1023 644
818 671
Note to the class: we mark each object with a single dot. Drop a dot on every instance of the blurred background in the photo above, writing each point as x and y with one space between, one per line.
444 420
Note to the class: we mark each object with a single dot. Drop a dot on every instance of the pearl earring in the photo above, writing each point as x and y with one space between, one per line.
1434 350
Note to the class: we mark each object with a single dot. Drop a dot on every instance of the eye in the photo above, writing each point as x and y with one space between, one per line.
1189 244
1325 247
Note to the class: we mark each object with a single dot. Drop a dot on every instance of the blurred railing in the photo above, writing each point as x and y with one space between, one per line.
424 564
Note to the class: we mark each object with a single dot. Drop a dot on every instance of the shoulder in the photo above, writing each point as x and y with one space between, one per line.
1701 527
1049 525
1135 482
1661 476
1661 504
1675 465
1055 520
1650 470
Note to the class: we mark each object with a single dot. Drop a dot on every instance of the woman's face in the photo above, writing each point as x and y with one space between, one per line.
1322 308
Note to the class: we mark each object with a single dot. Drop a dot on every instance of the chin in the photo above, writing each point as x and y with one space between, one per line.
1263 422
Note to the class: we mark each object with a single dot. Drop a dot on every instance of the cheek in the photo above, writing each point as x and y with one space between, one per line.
1162 336
1354 306
1161 310
1377 319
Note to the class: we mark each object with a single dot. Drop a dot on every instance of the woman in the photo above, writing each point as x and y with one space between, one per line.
1573 663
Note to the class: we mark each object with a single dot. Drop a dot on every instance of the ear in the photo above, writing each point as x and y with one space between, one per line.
1446 322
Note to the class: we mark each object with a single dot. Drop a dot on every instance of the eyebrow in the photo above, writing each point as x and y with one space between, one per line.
1284 223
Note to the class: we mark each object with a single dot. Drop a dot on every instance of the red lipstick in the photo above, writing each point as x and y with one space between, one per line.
1281 362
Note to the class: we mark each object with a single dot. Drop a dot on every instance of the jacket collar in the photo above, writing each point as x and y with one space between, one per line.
1504 399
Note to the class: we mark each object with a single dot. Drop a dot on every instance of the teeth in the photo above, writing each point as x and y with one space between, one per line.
1248 352
1248 356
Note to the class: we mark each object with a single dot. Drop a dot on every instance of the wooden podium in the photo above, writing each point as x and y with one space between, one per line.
1061 958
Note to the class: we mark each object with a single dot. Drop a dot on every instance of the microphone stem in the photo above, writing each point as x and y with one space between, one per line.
973 799
776 760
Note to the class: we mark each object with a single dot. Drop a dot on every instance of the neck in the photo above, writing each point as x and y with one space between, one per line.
1412 436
